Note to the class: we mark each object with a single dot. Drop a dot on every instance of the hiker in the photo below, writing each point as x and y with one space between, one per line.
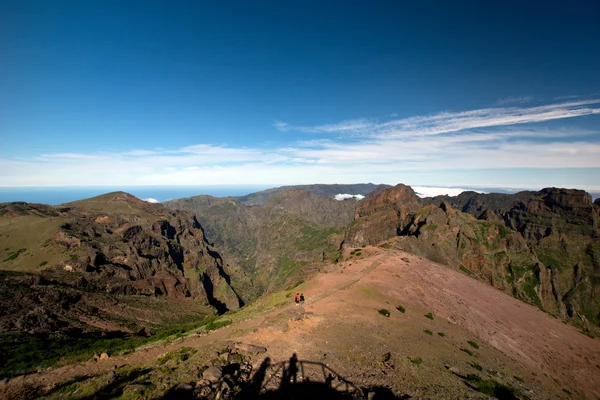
302 299
297 298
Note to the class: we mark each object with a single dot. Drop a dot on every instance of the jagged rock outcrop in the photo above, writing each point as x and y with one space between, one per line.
268 242
382 216
120 245
542 247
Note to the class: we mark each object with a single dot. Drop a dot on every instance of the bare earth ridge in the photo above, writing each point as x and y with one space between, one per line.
340 326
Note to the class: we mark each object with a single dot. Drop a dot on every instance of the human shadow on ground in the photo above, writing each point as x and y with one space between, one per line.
293 379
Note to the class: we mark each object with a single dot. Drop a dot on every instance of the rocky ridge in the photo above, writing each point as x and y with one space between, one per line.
542 247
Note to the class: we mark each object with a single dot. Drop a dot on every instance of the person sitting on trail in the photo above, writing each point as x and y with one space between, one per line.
302 298
297 298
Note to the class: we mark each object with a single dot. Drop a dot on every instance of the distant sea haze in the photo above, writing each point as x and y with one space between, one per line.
58 195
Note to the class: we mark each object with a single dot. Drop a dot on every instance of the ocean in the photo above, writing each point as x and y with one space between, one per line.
58 195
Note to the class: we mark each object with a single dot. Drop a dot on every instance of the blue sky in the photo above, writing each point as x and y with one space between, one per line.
195 93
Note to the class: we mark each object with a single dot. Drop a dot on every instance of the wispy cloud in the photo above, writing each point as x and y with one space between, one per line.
363 150
445 122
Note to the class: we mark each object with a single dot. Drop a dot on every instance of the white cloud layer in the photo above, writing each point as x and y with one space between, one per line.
151 200
427 191
346 196
426 150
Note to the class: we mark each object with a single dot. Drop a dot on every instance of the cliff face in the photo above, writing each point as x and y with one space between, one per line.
382 216
116 245
267 245
562 227
542 247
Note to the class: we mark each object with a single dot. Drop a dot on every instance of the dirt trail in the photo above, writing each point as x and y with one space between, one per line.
340 322
151 352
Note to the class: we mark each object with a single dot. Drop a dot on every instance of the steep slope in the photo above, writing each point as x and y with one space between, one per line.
268 245
384 325
70 262
543 250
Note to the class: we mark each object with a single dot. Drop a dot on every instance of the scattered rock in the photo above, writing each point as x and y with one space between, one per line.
104 356
134 387
387 356
405 259
203 382
249 349
144 332
213 374
112 376
184 387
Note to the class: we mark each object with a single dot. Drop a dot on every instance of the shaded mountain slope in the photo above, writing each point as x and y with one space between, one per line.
267 245
480 204
70 262
544 249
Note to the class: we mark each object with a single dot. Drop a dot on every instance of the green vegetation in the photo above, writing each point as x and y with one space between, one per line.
493 388
368 291
529 288
384 312
401 309
295 285
43 263
442 334
429 315
473 344
469 352
432 226
183 354
476 366
14 255
312 237
74 257
519 378
465 270
287 266
416 361
566 391
427 331
26 353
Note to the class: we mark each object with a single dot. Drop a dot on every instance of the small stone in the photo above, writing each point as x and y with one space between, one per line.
213 374
205 391
104 356
224 356
203 382
387 357
183 387
145 332
135 387
405 259
112 376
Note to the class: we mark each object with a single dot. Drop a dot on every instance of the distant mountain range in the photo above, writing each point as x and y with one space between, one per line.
100 265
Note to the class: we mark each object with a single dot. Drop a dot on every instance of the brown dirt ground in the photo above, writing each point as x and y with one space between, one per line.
340 326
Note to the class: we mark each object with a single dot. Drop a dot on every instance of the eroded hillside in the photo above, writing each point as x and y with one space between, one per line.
267 245
542 247
99 264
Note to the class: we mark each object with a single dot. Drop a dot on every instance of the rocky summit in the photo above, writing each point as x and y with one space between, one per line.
472 296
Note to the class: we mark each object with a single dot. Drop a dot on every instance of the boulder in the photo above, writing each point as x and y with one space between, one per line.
213 374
